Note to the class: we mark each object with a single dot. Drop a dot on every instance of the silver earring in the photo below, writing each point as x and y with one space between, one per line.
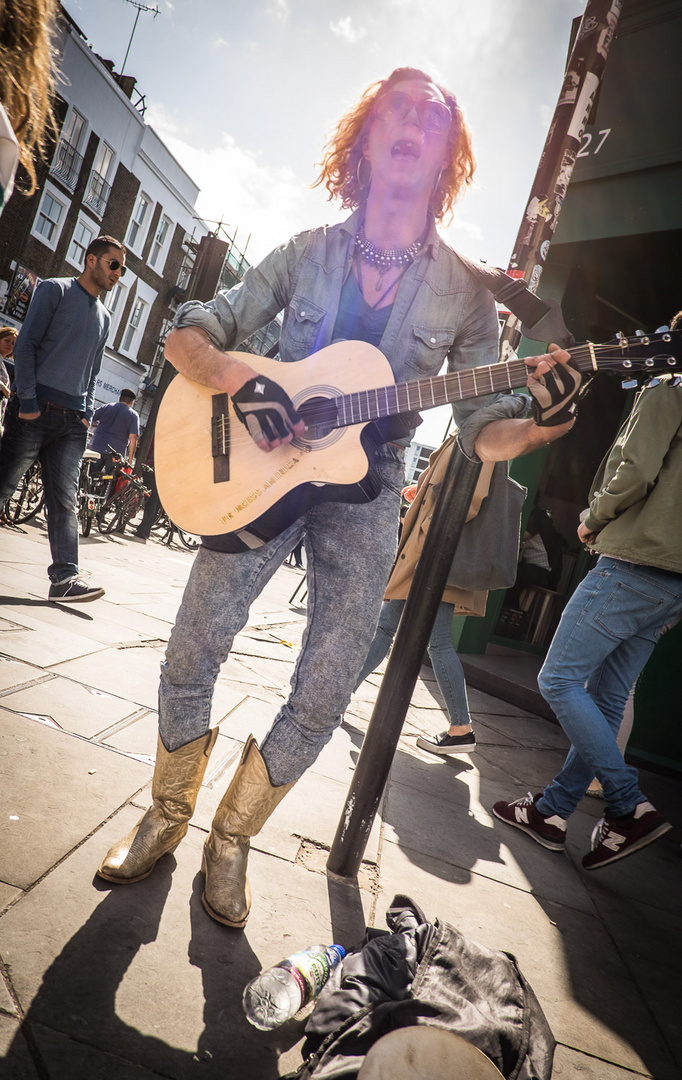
362 184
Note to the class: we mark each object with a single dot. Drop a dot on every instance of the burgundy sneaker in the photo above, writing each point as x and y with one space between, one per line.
615 837
548 831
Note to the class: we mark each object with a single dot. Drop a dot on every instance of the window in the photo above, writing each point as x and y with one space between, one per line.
74 126
99 188
67 161
83 235
135 323
115 302
51 215
160 241
139 221
105 156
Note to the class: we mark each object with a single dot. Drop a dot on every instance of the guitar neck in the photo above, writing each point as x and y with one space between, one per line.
428 393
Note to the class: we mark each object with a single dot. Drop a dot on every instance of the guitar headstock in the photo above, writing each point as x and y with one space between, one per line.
657 352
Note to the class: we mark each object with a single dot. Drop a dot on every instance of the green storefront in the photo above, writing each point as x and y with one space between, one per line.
615 265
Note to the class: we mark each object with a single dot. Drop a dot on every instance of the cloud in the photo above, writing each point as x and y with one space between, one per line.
264 203
220 43
347 30
280 10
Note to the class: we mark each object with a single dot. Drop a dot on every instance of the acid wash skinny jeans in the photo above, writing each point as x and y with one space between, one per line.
447 666
606 634
349 550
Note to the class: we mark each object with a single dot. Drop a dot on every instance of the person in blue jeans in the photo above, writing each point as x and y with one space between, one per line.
459 738
398 158
57 357
609 629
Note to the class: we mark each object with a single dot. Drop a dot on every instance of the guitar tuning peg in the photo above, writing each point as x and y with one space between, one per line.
654 382
676 380
629 384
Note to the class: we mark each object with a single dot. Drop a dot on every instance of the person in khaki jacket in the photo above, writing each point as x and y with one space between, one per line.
457 599
609 629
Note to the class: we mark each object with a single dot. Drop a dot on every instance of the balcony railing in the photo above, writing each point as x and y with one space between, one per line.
97 195
66 165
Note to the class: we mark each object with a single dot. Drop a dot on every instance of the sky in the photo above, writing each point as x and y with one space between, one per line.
245 93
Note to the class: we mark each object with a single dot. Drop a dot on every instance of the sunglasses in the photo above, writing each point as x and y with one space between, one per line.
433 115
114 264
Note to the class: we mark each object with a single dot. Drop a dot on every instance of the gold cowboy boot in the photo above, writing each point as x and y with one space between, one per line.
243 810
175 787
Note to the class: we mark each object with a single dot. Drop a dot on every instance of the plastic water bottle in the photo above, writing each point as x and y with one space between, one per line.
278 993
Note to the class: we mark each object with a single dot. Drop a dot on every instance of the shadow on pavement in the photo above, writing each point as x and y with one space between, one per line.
77 999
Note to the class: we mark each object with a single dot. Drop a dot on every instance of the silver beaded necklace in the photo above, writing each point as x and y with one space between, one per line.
385 258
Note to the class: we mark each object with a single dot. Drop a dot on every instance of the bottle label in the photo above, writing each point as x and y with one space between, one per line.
310 969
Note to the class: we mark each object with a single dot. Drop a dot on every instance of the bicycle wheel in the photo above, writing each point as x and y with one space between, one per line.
188 540
84 516
113 512
28 499
133 507
162 529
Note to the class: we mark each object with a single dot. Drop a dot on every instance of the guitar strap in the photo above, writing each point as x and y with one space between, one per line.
541 320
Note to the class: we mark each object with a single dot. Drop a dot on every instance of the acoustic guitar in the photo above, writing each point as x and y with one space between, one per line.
213 479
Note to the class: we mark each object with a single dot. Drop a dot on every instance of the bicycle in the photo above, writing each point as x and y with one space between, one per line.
90 499
166 531
28 499
126 502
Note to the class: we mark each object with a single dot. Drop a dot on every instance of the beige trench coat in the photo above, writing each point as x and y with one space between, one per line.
416 525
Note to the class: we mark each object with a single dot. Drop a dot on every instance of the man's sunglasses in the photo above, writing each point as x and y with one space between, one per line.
114 264
433 115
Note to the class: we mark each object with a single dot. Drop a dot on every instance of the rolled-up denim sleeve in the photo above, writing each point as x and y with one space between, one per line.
234 314
503 407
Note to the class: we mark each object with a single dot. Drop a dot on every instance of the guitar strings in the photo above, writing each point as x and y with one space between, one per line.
357 403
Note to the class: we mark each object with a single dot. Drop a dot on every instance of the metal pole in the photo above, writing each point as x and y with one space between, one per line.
584 72
419 613
125 58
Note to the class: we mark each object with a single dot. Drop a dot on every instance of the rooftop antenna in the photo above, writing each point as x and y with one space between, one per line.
140 7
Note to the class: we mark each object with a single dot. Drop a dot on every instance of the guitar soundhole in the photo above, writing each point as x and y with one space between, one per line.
320 418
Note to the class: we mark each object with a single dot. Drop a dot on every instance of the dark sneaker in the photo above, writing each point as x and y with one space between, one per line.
73 592
615 837
548 831
448 744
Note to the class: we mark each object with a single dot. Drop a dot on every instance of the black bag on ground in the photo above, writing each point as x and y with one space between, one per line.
426 973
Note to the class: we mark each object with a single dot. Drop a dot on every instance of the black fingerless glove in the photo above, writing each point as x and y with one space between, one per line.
554 395
265 409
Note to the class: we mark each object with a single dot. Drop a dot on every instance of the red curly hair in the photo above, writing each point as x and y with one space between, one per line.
343 152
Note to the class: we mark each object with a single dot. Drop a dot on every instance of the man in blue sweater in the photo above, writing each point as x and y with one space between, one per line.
117 426
57 357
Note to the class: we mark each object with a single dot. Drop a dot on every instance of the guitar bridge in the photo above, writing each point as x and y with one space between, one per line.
220 439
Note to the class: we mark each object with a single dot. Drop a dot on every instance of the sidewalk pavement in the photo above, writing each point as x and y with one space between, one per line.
132 982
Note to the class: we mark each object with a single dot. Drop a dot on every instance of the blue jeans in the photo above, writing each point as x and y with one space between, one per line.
447 666
349 552
57 440
606 634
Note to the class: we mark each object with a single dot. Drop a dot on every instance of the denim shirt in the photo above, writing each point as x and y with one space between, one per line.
441 311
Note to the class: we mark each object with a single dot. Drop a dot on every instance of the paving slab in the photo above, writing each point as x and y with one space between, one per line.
74 707
648 938
54 790
16 1062
15 673
570 1064
529 731
135 669
469 838
532 768
586 992
45 648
